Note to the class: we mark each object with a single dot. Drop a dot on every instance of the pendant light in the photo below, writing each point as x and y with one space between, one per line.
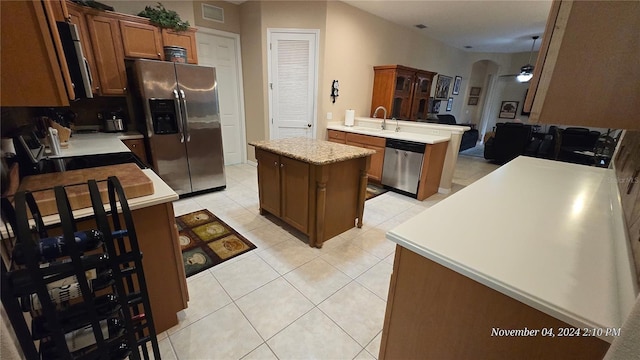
526 72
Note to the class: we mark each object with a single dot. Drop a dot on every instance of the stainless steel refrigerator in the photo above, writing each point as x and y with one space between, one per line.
182 114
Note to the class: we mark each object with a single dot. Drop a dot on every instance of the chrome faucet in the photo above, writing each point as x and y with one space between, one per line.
384 117
397 126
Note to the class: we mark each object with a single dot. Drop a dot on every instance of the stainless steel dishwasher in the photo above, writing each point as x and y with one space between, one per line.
402 166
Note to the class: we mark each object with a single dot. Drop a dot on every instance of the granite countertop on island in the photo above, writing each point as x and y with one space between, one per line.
316 152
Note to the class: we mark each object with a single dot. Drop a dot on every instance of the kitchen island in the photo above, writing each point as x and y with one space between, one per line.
318 187
540 268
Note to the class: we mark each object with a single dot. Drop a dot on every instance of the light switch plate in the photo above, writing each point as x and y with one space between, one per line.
329 116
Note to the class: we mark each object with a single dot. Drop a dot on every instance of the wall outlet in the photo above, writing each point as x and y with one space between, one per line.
329 116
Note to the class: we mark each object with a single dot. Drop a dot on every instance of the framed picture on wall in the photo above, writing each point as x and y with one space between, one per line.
450 104
508 109
475 91
473 100
442 87
436 106
456 85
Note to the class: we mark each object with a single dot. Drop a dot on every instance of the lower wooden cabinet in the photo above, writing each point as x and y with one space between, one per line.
285 185
367 142
321 201
336 136
138 148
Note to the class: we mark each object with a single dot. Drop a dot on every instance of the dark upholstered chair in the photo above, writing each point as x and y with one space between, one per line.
510 141
574 139
469 138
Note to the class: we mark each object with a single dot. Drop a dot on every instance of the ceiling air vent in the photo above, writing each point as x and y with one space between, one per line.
213 13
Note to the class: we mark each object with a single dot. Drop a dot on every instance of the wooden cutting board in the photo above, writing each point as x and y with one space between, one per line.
134 182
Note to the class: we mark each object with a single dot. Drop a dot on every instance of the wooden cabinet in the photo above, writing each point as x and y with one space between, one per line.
77 17
322 201
269 181
141 40
138 148
107 49
402 90
33 67
185 39
587 69
434 312
373 143
285 185
364 141
336 136
295 189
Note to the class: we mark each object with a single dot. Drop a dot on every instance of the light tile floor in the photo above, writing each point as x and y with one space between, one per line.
285 300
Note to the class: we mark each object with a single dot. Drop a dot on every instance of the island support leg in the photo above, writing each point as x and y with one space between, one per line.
317 238
362 191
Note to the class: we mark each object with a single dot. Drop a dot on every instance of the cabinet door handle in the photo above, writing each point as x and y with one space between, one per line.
281 165
275 163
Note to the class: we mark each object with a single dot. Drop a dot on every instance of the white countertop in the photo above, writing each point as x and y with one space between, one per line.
539 231
390 133
95 143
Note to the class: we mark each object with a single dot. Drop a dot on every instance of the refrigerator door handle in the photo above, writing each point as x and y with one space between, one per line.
185 115
176 102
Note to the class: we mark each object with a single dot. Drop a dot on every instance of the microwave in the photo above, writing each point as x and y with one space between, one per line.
77 63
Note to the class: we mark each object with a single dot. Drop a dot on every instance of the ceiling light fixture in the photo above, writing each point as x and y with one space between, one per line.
526 72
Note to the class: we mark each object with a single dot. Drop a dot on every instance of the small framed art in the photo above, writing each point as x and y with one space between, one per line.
450 104
475 91
473 100
508 109
456 85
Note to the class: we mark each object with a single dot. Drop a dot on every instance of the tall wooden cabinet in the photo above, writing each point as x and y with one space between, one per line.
402 90
587 69
107 49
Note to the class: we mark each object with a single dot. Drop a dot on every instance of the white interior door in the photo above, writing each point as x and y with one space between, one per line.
293 78
222 51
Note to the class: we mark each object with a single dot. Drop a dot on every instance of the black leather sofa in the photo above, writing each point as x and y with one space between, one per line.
510 141
469 138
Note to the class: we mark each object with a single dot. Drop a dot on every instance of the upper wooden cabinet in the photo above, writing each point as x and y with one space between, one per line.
185 39
402 90
141 40
109 56
587 69
33 66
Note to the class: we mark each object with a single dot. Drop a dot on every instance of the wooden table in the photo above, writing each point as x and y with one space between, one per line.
318 187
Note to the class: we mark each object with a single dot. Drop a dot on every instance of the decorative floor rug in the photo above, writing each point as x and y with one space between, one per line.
374 190
207 241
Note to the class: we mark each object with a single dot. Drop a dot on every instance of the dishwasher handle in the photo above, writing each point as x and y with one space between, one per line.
406 145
